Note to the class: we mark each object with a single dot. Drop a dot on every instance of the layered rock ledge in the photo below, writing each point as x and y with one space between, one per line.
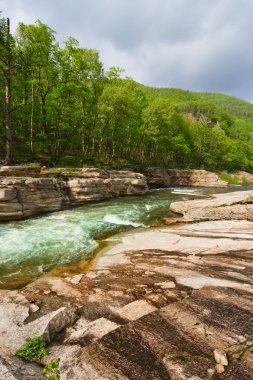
24 197
157 177
27 191
236 205
171 311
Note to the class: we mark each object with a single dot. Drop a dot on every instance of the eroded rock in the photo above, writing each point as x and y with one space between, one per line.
23 197
231 206
177 177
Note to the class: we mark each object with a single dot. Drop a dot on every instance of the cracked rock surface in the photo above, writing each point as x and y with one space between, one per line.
169 303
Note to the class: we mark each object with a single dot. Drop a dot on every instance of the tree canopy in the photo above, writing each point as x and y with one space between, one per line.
66 110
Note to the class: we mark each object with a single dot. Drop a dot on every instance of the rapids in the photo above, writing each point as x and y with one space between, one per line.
32 247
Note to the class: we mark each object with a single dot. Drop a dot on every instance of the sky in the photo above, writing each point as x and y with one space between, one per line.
196 45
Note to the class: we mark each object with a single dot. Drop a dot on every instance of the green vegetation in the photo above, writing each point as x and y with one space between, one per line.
34 348
51 370
230 178
233 179
65 110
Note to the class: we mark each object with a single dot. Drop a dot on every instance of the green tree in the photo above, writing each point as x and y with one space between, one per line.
6 59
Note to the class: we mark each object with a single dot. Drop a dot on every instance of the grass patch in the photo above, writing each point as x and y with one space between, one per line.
34 348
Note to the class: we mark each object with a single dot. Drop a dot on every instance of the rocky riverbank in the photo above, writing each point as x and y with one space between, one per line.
157 177
27 191
24 197
169 303
237 206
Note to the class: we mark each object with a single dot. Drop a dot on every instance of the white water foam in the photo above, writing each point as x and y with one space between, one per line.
186 191
114 219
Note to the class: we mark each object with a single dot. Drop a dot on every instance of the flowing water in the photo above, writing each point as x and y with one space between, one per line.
63 239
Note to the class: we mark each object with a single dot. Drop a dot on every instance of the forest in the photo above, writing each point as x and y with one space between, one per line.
59 106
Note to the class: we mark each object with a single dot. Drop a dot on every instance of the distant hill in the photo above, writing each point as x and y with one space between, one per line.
235 106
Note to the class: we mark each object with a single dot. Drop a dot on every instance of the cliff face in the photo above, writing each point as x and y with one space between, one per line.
178 177
23 197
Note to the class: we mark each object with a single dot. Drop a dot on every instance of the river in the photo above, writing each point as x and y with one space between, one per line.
63 241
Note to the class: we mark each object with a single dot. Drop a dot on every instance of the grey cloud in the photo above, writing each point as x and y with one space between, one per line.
200 45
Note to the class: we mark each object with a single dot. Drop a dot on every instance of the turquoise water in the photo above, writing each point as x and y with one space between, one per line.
32 247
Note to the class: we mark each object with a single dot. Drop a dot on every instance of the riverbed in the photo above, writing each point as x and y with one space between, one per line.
64 242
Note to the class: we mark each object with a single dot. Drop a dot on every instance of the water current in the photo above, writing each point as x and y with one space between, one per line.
60 241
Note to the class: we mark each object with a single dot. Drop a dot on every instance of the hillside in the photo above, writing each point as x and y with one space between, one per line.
234 106
66 110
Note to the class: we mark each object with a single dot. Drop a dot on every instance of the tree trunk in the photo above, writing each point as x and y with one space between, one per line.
31 118
7 113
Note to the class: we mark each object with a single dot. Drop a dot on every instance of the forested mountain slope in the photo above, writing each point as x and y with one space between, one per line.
66 110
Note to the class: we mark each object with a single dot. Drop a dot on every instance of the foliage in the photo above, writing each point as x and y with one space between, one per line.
230 178
34 348
249 199
51 370
67 111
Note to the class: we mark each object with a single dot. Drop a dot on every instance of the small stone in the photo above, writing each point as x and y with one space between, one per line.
219 368
166 285
220 357
241 339
231 341
33 308
210 373
76 279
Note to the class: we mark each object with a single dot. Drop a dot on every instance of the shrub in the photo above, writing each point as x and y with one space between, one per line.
34 348
230 178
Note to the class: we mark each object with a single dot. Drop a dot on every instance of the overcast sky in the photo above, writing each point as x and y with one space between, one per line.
198 45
